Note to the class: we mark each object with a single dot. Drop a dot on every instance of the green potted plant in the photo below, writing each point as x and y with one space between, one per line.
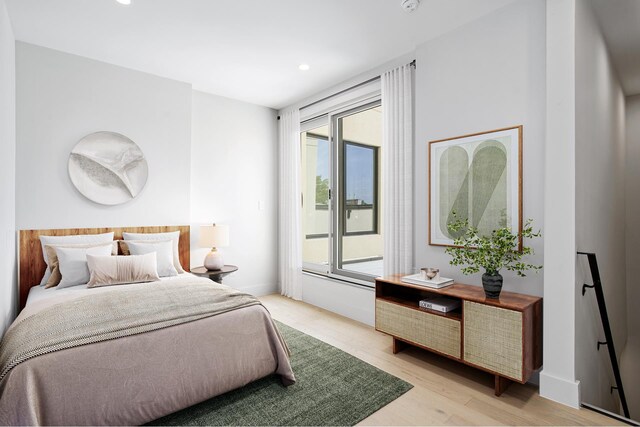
490 253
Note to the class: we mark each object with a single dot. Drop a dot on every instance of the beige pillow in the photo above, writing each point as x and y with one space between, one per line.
54 265
78 239
120 270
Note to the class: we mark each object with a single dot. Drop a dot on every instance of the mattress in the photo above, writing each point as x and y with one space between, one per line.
39 293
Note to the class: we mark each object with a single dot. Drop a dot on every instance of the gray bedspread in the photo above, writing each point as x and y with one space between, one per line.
133 353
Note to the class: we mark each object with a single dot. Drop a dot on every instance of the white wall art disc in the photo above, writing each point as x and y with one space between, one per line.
108 168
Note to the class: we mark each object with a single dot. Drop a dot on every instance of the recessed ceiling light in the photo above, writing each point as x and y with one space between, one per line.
124 2
303 67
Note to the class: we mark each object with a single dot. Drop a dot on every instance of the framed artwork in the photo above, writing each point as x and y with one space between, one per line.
479 177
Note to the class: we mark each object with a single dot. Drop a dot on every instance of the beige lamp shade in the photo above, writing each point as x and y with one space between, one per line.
214 236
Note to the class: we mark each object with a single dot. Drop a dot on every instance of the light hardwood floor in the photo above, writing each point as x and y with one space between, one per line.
444 393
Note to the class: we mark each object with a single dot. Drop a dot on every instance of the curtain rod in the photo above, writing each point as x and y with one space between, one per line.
341 92
373 79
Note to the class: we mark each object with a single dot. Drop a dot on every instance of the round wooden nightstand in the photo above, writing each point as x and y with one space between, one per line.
215 275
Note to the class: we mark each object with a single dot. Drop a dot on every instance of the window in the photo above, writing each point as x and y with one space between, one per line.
316 172
360 194
341 193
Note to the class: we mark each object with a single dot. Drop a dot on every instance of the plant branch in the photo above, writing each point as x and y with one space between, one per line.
497 251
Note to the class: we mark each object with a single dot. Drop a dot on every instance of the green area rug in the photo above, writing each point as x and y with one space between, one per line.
332 388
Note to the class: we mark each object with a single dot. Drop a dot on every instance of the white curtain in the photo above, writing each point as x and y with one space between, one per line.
397 113
289 244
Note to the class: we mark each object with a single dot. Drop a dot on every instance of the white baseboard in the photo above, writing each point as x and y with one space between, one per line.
560 390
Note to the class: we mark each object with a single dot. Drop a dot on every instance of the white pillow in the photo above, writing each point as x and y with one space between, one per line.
54 265
73 263
173 236
64 240
164 255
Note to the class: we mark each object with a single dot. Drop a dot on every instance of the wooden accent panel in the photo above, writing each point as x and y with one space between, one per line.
32 265
493 339
428 330
508 300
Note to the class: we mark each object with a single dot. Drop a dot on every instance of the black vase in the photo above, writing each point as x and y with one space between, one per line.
492 284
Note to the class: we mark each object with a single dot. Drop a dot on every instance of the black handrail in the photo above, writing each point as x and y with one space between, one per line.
597 286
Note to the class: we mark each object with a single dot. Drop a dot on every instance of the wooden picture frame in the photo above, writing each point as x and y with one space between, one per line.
479 177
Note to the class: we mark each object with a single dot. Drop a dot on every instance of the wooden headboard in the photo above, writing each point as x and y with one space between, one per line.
32 265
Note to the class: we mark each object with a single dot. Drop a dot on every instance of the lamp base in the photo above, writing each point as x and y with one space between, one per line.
213 260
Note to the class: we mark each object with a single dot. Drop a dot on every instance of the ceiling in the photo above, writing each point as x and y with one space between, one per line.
243 49
620 24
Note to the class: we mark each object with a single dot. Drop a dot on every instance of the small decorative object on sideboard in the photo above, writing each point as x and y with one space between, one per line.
419 279
441 304
430 273
214 236
492 253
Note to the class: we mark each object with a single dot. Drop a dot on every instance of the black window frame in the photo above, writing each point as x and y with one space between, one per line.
343 198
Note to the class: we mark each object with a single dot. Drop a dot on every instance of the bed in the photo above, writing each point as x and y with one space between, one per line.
170 345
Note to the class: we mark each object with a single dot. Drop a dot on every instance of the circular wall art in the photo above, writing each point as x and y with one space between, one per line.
108 168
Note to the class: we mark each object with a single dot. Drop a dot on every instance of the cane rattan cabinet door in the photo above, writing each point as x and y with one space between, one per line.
428 330
493 339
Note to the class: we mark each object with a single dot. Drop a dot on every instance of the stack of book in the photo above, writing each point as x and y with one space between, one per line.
441 304
416 279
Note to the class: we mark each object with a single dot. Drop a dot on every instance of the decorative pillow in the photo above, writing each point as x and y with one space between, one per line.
54 266
62 240
164 255
72 263
173 235
119 270
124 249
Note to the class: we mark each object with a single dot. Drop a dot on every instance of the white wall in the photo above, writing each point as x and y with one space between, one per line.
222 170
234 181
631 352
486 75
557 379
8 287
353 301
63 97
600 206
632 181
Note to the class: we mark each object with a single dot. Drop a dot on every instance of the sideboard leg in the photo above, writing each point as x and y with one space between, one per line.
398 346
501 384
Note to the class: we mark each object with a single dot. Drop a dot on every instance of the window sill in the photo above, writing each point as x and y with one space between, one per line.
341 279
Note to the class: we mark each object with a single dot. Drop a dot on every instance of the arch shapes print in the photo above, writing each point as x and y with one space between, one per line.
477 177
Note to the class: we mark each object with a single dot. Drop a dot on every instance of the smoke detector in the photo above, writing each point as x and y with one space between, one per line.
409 5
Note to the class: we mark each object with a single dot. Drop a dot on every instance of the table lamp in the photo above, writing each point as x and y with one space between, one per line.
214 236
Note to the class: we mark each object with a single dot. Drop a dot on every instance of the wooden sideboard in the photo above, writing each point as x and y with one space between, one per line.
502 337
